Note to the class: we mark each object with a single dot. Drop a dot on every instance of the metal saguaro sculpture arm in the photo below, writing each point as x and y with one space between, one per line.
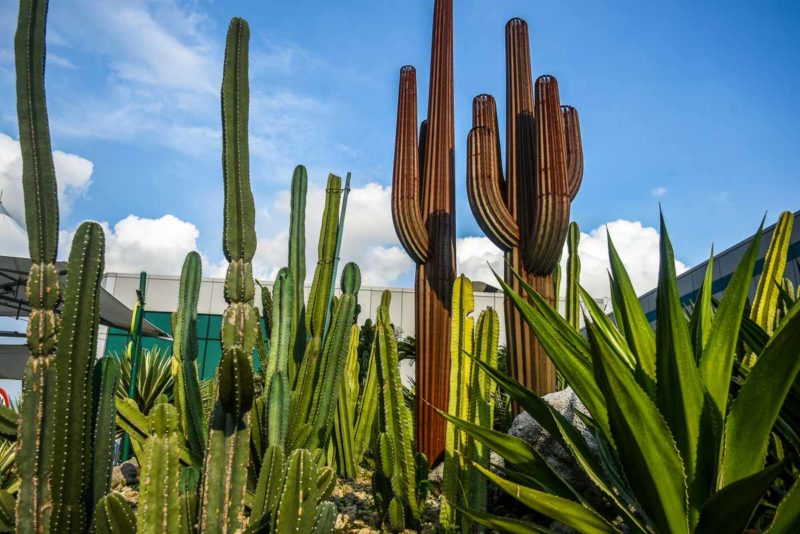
423 210
525 211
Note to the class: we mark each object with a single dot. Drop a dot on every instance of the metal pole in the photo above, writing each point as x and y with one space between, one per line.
339 232
136 344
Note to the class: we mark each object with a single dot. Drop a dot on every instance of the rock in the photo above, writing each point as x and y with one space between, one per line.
567 403
436 475
130 472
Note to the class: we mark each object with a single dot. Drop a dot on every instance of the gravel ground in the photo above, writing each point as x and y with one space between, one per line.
357 512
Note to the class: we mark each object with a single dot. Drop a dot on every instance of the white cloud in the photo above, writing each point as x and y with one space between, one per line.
369 238
135 244
659 192
73 175
637 246
475 256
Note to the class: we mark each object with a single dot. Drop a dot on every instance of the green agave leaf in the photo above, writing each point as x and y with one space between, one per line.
702 312
554 333
527 399
753 335
716 362
602 321
631 318
567 512
514 450
9 420
730 509
501 524
787 516
587 460
680 394
646 448
756 407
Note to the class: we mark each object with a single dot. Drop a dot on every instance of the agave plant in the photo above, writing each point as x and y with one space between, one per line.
680 449
154 377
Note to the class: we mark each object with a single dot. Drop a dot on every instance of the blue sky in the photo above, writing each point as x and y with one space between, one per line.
693 105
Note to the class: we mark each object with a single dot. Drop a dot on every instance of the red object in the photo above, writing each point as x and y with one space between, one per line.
4 397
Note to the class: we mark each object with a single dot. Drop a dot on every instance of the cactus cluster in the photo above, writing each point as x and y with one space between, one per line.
472 396
423 211
400 481
525 210
256 458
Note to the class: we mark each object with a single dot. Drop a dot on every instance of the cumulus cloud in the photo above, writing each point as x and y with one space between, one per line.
659 192
74 177
637 246
368 240
135 244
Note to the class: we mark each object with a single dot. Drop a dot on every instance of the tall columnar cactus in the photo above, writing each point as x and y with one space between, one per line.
277 371
399 479
525 211
573 309
43 291
228 448
471 399
344 424
423 210
159 504
188 399
297 266
106 375
71 433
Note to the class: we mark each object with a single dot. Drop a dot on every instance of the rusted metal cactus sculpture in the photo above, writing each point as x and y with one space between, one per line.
423 209
525 212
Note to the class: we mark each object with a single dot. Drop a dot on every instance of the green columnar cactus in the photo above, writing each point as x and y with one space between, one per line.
297 265
332 360
573 308
289 494
525 211
113 515
344 424
765 301
277 371
71 434
471 399
240 329
366 409
188 400
228 448
104 384
43 291
224 472
159 504
395 481
303 404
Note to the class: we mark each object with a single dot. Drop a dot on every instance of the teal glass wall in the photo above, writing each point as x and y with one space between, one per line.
209 344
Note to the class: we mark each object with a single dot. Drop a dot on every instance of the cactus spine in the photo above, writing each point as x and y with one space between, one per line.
43 290
228 449
188 400
573 308
525 211
423 210
471 399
